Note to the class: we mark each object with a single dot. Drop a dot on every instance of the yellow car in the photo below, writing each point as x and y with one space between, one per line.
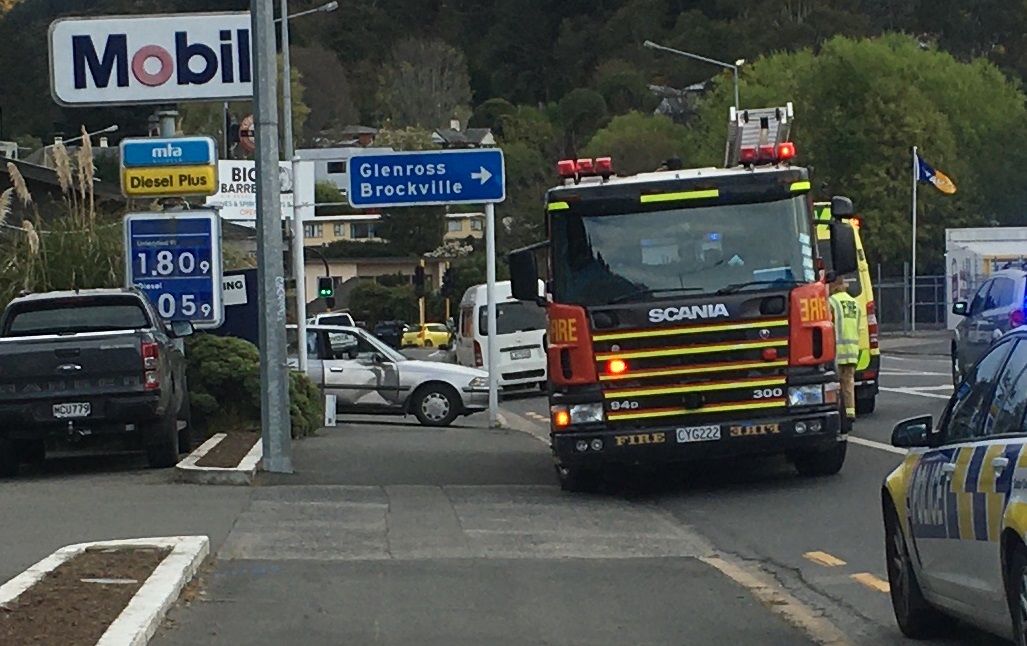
955 509
429 335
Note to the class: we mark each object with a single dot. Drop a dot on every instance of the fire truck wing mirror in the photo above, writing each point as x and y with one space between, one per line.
841 207
524 275
843 249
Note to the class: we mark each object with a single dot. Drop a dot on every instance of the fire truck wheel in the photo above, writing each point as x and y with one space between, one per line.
579 479
814 464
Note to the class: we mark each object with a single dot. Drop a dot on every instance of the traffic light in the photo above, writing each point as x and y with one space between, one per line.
325 287
419 281
449 283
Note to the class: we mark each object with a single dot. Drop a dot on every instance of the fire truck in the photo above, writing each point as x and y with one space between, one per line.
687 310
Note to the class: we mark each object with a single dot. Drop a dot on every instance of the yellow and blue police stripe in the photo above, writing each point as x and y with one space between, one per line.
973 504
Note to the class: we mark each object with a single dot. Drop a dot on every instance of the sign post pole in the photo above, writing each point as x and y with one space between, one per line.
490 300
276 426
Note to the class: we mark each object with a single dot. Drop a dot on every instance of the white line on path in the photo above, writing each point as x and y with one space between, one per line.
880 446
913 391
914 373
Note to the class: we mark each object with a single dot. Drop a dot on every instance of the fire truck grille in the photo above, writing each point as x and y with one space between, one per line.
714 370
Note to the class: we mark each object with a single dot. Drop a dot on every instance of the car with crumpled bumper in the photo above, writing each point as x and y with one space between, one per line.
368 376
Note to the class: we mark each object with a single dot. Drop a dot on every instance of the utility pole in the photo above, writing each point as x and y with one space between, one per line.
275 421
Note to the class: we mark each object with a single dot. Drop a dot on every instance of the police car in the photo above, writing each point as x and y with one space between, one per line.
955 510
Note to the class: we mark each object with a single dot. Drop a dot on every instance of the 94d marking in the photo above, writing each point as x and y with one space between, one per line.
623 405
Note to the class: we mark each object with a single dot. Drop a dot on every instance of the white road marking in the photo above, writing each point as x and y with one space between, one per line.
913 391
880 446
914 373
919 359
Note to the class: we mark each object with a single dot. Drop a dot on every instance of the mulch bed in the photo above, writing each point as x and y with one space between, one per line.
64 609
230 451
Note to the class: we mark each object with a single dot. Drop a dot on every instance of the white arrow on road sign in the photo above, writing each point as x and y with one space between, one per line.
482 174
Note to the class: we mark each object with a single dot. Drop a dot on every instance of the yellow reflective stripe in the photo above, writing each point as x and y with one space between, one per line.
801 186
705 409
698 349
994 502
964 501
693 388
642 374
558 206
695 329
683 195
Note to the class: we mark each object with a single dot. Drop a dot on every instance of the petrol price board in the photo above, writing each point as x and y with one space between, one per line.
175 259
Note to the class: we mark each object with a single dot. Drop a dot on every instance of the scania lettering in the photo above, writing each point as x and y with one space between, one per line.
690 304
688 312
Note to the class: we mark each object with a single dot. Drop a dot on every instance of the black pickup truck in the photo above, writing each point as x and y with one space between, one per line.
90 367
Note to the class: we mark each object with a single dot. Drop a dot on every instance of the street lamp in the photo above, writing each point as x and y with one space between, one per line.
298 265
734 68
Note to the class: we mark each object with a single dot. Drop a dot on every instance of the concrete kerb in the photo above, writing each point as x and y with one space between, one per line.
242 474
140 619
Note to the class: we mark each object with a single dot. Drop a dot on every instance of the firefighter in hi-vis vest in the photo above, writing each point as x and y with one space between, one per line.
845 312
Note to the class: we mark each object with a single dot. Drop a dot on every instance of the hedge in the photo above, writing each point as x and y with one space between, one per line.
223 377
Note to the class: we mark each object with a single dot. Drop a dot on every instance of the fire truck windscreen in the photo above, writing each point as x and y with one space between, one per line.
599 259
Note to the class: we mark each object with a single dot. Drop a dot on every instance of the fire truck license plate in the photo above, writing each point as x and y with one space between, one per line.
698 433
63 411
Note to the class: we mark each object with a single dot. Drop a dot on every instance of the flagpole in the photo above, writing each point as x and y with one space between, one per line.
912 285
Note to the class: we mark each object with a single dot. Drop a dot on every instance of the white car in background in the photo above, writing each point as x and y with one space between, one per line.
333 318
369 377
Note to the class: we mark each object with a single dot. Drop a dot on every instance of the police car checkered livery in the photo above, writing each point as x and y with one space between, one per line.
955 510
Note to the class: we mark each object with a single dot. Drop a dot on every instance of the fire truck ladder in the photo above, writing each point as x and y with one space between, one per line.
760 127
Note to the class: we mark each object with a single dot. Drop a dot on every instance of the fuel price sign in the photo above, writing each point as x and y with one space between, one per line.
175 259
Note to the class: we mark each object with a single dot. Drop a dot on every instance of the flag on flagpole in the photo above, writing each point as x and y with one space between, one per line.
927 174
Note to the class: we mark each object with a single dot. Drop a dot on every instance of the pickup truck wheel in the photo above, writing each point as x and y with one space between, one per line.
185 435
579 479
161 439
815 464
8 459
436 405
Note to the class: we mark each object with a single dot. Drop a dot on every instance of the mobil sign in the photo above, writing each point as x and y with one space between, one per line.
169 58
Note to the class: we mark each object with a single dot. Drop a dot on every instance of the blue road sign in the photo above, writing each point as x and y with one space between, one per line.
465 176
172 151
175 259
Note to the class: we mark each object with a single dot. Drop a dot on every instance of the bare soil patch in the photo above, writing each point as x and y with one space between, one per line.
230 451
75 603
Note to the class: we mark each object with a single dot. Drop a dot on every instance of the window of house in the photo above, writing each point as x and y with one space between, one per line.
336 167
362 230
314 230
455 225
477 225
340 230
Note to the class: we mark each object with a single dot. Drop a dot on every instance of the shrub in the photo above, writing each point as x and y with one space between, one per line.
223 375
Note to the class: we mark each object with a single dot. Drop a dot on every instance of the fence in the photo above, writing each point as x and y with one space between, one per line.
893 303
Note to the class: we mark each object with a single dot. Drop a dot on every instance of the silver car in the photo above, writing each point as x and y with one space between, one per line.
367 376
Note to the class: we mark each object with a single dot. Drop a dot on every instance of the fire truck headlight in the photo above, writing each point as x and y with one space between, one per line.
810 395
585 413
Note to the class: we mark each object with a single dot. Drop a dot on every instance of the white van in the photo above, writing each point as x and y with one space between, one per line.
520 327
333 318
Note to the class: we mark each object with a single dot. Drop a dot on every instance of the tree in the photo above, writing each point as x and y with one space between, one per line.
413 230
207 118
491 114
373 302
580 113
426 84
624 87
327 92
640 142
861 104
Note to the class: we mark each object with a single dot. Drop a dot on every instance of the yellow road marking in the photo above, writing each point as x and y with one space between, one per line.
872 582
823 558
776 599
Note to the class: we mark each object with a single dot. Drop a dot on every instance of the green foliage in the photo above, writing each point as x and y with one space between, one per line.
581 112
329 193
373 302
413 230
425 84
640 142
861 104
361 249
223 377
